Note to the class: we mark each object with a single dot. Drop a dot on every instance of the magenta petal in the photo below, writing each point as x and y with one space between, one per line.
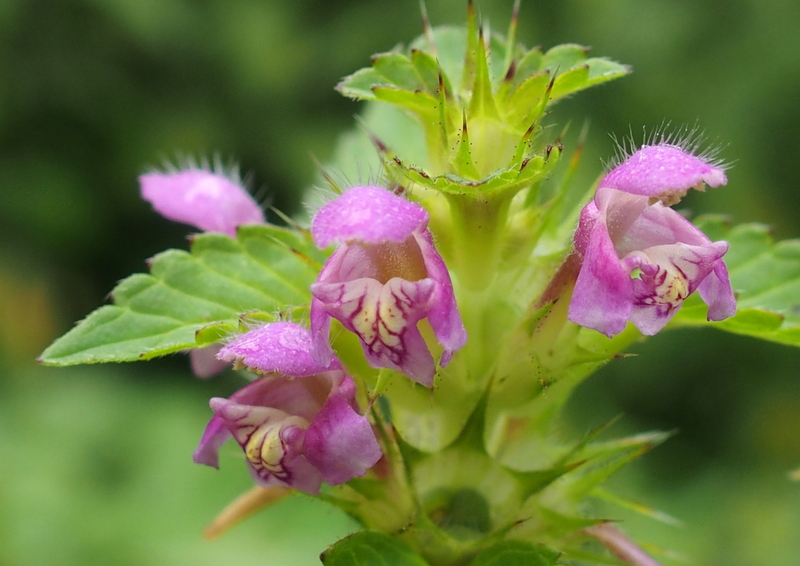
654 170
214 436
296 430
443 316
340 443
384 317
716 292
208 201
603 293
279 347
321 349
304 475
300 473
583 233
272 441
619 211
367 214
674 272
205 363
302 397
415 360
383 279
659 225
641 260
651 319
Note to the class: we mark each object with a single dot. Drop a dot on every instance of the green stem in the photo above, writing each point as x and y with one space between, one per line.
478 227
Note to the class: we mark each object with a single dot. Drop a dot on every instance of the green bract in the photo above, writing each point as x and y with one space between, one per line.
480 111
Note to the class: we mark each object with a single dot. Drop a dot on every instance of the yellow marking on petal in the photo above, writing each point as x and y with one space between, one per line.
672 290
392 323
392 316
364 322
264 448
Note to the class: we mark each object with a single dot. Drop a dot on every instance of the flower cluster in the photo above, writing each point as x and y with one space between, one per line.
299 424
364 388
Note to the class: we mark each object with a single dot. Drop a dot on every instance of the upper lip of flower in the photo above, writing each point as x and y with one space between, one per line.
209 201
367 214
663 171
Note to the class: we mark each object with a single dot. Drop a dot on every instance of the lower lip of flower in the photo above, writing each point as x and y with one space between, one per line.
264 449
671 287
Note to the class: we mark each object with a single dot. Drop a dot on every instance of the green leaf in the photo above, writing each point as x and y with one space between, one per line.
563 57
417 74
370 548
516 553
604 494
399 71
451 44
462 480
561 524
604 458
570 81
592 72
213 333
192 298
529 64
428 70
766 277
431 424
359 85
419 102
482 100
522 102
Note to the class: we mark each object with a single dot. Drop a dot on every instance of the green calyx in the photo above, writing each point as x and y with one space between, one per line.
479 100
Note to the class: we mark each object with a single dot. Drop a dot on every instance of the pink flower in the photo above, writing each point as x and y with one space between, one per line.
299 424
640 258
206 200
384 278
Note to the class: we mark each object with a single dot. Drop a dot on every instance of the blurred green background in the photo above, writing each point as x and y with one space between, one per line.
95 462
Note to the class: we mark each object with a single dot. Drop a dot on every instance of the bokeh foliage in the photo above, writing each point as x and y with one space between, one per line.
96 461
